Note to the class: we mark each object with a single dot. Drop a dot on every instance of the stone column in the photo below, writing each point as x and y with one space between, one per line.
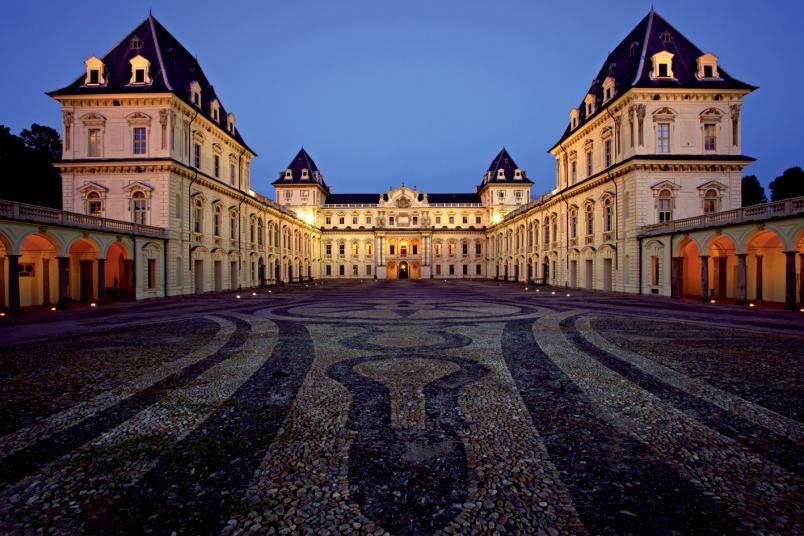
790 280
801 279
704 277
676 284
46 281
759 277
64 263
14 284
102 281
741 285
2 283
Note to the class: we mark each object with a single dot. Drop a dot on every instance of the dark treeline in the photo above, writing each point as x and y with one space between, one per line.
27 173
788 184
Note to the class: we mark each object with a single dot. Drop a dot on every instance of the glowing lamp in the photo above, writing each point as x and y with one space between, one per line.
712 301
238 296
253 293
93 304
52 308
750 305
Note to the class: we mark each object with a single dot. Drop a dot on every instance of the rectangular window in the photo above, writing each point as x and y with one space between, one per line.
415 249
477 269
665 210
391 220
93 142
574 171
151 273
438 219
588 163
708 73
328 269
216 166
354 220
478 220
477 249
608 152
354 270
663 138
197 156
328 220
341 220
438 269
465 269
465 249
139 140
415 220
328 250
231 174
341 249
465 219
662 70
340 269
710 137
451 220
94 77
368 220
178 206
451 269
392 249
368 269
139 76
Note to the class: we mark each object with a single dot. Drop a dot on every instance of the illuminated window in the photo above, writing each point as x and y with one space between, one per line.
710 137
93 142
663 138
139 208
94 204
139 140
711 201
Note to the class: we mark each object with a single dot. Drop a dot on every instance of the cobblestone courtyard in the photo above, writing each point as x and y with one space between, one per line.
403 407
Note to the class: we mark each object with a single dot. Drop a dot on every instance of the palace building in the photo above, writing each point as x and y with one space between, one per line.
157 197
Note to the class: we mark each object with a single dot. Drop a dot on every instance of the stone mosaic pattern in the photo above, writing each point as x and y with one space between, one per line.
404 407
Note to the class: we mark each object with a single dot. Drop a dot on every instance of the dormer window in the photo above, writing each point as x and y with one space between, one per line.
574 115
518 174
707 66
305 174
214 110
589 102
288 174
136 43
195 93
139 71
501 174
230 123
95 72
662 65
608 88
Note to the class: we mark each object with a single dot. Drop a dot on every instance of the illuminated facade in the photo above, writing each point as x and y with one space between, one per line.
656 139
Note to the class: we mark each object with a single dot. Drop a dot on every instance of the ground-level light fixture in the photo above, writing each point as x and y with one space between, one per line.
568 295
253 293
52 308
93 304
238 296
750 305
712 301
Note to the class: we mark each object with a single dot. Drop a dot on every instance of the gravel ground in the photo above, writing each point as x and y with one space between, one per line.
403 407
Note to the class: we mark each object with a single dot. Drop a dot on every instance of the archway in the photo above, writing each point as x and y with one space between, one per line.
119 270
723 277
403 270
260 272
277 273
38 271
766 265
689 269
83 276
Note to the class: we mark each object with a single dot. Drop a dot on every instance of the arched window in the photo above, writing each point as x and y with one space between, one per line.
546 229
590 220
607 215
252 230
354 249
94 204
198 215
233 225
259 232
554 227
216 221
711 201
452 249
665 206
573 223
438 249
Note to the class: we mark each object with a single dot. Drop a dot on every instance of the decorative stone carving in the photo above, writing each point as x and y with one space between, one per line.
640 111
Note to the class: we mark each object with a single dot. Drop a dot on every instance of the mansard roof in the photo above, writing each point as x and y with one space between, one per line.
453 198
353 199
173 69
372 199
503 161
301 161
629 64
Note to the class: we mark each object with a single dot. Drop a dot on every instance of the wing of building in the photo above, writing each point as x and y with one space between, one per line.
156 167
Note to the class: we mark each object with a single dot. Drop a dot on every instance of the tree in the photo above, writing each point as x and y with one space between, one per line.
44 140
753 192
27 173
790 184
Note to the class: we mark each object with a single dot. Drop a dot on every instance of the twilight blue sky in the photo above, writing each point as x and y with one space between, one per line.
424 92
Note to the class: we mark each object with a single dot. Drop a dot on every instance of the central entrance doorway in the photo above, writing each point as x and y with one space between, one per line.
403 270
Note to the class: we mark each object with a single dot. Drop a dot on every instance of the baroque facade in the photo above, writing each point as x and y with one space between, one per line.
148 144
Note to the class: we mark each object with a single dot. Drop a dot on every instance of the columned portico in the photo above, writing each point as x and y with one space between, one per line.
64 280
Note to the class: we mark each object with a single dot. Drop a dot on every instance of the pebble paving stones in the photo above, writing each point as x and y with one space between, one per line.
403 407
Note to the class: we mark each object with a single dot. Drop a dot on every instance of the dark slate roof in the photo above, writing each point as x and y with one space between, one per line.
353 199
630 66
301 161
504 161
173 68
453 198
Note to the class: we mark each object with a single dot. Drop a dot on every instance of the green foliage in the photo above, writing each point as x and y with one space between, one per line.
27 173
752 192
790 184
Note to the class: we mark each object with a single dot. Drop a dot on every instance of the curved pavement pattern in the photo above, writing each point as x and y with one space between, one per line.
404 407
